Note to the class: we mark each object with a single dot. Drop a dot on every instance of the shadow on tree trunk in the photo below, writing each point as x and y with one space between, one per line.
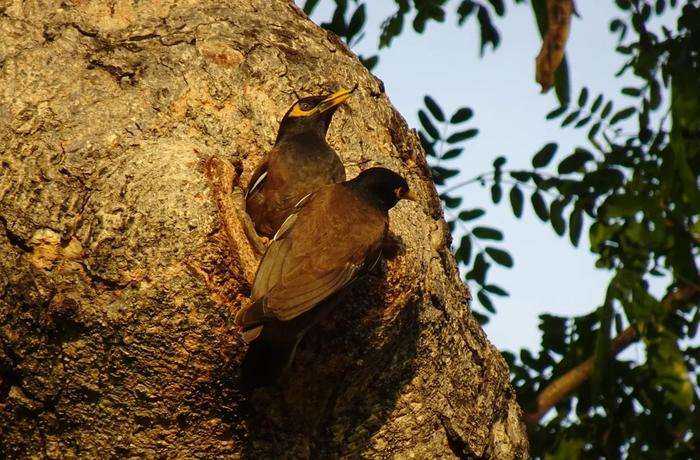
338 382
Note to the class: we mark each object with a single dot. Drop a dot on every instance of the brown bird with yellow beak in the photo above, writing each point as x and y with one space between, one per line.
332 237
300 162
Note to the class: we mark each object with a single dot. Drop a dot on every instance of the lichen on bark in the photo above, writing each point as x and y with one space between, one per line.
118 281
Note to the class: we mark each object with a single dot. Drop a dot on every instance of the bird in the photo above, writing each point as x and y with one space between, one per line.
301 161
332 237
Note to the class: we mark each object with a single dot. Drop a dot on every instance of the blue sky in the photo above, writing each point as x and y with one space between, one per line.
549 275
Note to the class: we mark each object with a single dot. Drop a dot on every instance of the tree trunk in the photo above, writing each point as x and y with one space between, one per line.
121 265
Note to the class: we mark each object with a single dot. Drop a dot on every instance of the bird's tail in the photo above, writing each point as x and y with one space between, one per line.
265 362
252 314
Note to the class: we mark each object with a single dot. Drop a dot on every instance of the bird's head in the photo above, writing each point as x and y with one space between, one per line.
312 114
385 186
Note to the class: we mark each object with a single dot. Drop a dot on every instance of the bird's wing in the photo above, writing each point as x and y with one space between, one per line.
275 298
293 299
270 268
257 179
316 252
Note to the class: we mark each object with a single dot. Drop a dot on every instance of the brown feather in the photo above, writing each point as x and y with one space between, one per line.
295 168
320 253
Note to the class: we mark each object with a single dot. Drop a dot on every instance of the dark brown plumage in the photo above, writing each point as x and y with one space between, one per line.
300 162
333 236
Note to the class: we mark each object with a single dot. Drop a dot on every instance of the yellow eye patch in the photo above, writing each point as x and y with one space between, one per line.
297 111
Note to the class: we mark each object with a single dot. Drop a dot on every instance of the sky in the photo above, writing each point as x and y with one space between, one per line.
549 275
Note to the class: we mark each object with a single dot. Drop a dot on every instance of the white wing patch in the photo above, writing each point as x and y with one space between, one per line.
285 227
302 202
257 184
289 221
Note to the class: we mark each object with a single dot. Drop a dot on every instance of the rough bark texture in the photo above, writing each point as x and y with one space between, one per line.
118 278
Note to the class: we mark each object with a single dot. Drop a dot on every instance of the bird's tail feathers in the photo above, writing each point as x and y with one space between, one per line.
252 315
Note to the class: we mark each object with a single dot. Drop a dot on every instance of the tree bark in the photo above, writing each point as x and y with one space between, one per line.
120 272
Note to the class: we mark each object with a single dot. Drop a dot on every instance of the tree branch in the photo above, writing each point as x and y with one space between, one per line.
569 382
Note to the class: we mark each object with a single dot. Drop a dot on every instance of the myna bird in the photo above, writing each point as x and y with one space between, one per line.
300 162
331 238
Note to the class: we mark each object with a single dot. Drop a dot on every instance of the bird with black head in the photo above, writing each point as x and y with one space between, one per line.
300 162
332 237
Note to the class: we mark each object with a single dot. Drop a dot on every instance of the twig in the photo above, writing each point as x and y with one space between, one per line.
569 382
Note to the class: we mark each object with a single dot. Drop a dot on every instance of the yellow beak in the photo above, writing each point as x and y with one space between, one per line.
335 99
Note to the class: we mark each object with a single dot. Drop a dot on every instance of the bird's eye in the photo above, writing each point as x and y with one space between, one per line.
305 106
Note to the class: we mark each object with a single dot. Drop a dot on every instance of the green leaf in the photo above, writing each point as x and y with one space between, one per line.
521 176
309 6
601 369
452 153
471 214
669 369
450 201
434 108
622 115
575 225
436 12
570 118
539 206
440 174
596 103
500 257
583 97
623 4
556 112
356 22
659 7
496 193
498 6
497 290
561 82
555 215
622 205
516 201
487 233
545 155
488 33
582 121
464 251
600 233
606 110
427 145
479 269
465 9
419 22
499 162
567 449
369 62
462 135
655 95
428 125
485 301
630 91
575 162
451 225
391 28
461 115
